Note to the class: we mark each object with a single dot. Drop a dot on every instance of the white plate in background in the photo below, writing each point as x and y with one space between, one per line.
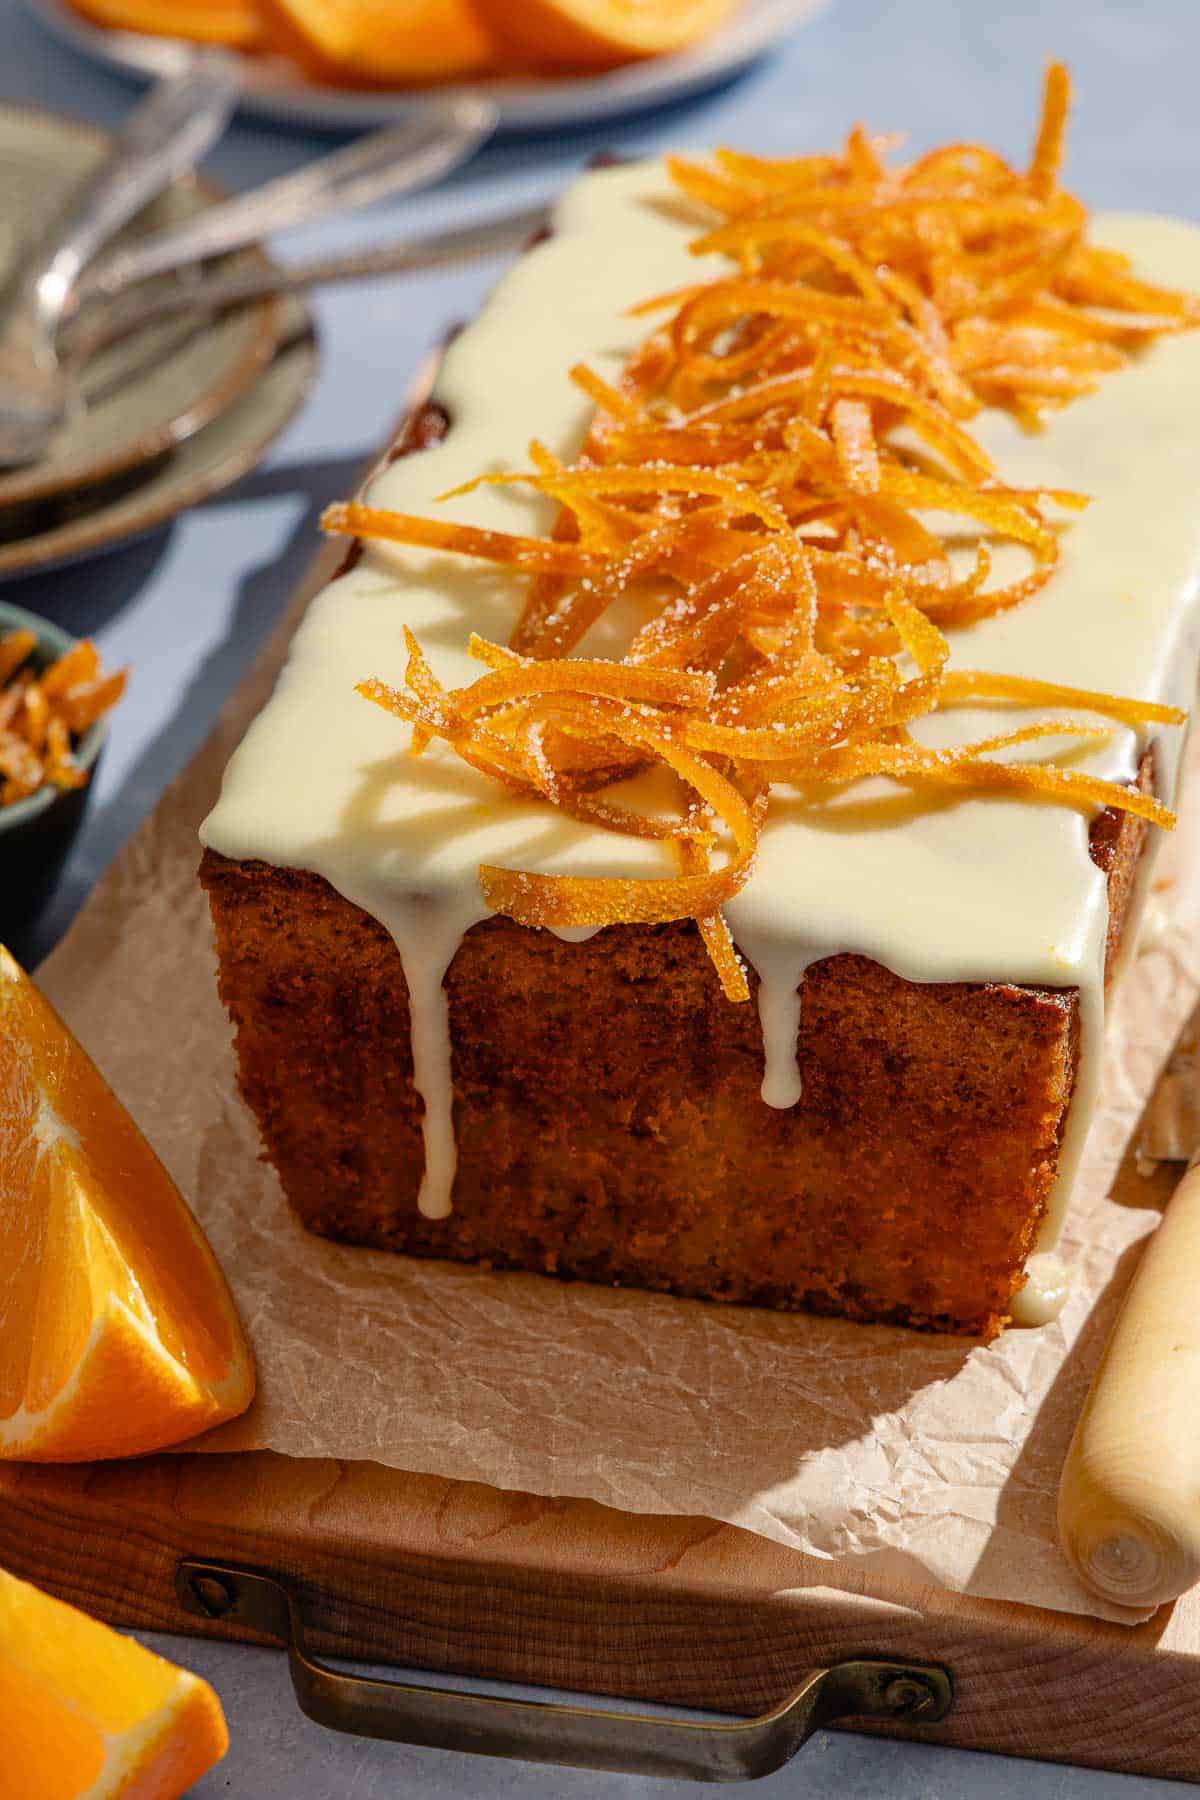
276 89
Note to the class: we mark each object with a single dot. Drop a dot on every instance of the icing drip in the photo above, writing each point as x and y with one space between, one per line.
427 932
779 1016
427 941
780 967
1047 1284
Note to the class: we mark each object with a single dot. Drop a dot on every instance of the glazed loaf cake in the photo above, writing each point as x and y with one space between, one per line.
608 1114
435 1080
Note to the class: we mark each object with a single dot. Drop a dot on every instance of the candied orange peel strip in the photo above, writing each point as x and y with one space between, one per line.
768 479
43 713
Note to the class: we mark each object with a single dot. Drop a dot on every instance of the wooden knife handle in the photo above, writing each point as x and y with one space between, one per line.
1129 1501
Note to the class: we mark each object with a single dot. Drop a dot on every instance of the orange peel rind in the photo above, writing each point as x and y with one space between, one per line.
120 1335
91 1714
750 479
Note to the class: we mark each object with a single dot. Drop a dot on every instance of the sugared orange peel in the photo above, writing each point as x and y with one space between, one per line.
43 715
765 479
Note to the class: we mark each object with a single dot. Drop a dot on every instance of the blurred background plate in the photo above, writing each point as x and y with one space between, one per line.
159 385
47 533
276 89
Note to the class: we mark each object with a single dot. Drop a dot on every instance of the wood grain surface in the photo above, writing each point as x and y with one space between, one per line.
449 1576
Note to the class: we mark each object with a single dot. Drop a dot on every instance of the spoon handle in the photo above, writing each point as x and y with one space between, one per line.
164 138
439 136
238 287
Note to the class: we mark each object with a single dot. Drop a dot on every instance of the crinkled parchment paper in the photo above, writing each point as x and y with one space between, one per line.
930 1457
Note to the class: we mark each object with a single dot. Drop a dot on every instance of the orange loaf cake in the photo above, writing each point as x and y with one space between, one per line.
693 855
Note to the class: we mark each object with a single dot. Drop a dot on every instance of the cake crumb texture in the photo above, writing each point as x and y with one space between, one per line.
608 1115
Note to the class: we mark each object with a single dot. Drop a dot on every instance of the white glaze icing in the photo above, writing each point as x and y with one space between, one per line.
1047 1283
780 970
427 932
780 964
977 889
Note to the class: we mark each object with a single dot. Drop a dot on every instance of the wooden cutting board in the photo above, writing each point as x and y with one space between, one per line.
428 1573
449 1576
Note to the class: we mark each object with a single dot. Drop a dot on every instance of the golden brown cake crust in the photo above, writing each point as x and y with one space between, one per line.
608 1114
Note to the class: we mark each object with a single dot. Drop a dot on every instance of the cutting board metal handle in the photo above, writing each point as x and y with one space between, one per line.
546 1731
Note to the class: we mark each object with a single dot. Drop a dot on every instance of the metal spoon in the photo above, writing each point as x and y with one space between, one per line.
443 134
104 324
163 139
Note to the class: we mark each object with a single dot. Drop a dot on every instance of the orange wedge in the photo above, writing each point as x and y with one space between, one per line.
235 22
390 42
117 1331
597 34
91 1715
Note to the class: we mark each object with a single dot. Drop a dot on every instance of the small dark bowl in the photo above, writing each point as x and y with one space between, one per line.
37 833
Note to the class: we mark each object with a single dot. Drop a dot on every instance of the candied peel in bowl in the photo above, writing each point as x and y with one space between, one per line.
44 713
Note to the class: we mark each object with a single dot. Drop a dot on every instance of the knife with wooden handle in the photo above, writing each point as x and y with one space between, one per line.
1129 1500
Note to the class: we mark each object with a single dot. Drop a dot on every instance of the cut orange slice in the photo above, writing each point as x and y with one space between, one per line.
235 22
390 42
91 1715
117 1331
597 34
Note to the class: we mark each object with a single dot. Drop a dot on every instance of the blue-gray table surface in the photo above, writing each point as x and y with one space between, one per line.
190 606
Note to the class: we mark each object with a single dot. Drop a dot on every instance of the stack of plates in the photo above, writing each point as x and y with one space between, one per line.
166 417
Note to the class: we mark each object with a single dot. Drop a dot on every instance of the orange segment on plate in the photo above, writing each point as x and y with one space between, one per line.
117 1332
382 41
235 22
598 34
91 1715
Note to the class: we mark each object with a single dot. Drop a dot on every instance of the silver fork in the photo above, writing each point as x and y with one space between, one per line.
164 138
